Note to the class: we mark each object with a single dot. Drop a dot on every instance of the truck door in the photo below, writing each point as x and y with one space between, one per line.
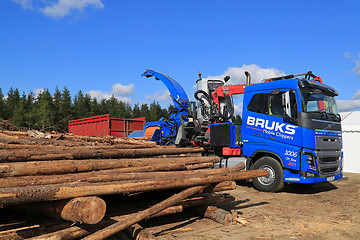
268 127
253 122
281 132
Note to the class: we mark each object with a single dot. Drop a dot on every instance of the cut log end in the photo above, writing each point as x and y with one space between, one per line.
219 215
89 210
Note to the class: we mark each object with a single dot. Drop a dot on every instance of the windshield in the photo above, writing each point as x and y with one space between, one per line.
317 100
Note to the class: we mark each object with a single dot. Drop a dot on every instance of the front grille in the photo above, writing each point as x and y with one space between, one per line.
328 163
328 159
329 170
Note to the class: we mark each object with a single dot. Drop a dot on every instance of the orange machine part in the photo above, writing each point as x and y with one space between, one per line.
150 131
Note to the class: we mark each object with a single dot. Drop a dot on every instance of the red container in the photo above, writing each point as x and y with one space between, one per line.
105 126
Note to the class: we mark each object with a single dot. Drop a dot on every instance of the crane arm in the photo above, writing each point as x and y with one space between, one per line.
177 93
224 92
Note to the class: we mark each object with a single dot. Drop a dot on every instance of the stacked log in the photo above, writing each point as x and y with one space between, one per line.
66 176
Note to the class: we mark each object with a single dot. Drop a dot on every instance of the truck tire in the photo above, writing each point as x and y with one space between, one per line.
274 182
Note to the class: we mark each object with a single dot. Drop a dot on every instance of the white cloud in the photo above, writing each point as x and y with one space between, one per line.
238 109
348 105
118 90
357 68
59 8
356 95
122 90
64 7
257 73
347 55
162 95
26 4
37 91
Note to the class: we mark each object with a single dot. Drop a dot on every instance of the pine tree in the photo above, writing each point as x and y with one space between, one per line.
81 108
95 108
136 111
103 107
155 111
66 109
29 106
144 111
57 108
238 119
114 107
12 101
87 105
2 105
45 111
19 115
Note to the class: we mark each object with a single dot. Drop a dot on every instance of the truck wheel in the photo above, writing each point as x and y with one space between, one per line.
274 181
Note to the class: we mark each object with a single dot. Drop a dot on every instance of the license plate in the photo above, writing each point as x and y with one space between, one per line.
329 179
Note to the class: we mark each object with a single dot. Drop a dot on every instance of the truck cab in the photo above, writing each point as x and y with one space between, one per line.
291 128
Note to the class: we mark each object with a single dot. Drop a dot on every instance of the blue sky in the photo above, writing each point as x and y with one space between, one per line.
103 46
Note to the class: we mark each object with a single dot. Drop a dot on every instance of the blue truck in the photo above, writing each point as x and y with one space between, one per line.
290 127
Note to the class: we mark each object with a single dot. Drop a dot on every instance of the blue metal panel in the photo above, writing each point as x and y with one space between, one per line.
137 133
177 93
181 104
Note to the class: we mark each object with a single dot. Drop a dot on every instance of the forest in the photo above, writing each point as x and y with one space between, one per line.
47 112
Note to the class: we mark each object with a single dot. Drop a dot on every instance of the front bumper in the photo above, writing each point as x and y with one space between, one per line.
296 178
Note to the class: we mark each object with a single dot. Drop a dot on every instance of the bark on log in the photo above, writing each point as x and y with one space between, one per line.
217 214
110 230
18 133
88 210
71 166
63 191
61 148
202 199
198 166
95 176
75 232
120 174
16 156
223 186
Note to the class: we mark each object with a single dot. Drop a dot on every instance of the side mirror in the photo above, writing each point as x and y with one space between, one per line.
286 104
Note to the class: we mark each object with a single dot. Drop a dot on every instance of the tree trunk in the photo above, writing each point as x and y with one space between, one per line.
71 166
95 176
119 174
110 230
75 232
16 156
17 195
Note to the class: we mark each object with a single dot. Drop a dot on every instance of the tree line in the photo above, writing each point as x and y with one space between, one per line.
47 112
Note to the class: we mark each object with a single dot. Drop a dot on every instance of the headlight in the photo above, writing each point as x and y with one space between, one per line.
311 162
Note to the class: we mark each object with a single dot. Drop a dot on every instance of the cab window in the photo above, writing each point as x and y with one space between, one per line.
271 104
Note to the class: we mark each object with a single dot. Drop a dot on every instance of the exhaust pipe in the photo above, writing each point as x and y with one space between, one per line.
248 78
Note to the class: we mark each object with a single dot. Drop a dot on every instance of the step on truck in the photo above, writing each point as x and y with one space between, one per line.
290 127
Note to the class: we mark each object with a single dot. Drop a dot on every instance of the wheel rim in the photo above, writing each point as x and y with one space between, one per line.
271 175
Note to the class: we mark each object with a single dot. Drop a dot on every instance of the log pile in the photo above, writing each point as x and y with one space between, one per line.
76 178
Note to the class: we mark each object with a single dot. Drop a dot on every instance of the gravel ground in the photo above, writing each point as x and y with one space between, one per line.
321 211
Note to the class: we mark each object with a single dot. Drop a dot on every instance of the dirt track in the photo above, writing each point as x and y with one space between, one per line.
322 211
